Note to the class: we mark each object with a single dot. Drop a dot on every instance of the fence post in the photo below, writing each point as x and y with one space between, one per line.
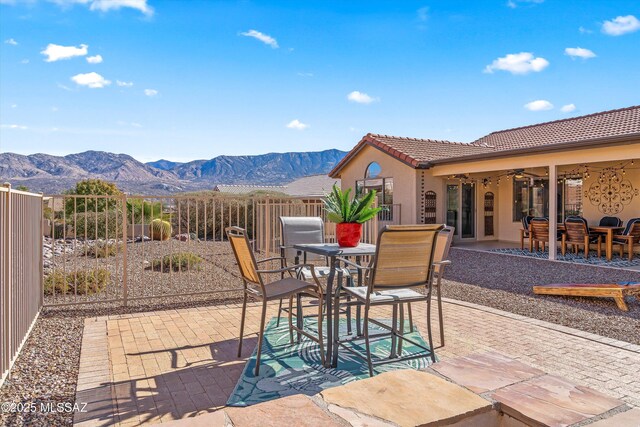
267 228
6 280
125 287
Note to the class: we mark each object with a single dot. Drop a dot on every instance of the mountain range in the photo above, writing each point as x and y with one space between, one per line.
54 174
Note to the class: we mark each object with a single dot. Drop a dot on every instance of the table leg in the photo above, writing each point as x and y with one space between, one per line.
609 244
329 304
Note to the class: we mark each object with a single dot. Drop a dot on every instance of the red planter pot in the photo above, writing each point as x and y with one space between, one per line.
348 234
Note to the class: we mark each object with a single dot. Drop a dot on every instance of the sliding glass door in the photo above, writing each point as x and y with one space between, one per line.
461 209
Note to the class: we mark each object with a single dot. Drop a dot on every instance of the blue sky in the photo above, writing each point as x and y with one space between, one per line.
184 80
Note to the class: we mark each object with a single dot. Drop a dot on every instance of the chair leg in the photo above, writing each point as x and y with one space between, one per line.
336 328
261 336
366 339
299 317
244 312
410 313
400 329
279 313
348 315
440 315
394 331
290 317
630 250
429 333
320 335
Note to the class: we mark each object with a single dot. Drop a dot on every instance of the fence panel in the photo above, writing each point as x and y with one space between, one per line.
20 271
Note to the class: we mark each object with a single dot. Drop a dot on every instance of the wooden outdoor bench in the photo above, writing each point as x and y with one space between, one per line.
611 290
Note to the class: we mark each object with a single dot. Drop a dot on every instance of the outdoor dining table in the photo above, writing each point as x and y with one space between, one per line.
608 230
332 251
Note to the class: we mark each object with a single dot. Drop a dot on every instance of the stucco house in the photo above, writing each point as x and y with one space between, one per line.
484 188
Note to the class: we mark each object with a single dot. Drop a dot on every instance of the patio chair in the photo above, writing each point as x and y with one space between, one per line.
610 221
539 233
629 237
287 287
524 231
577 234
404 261
305 229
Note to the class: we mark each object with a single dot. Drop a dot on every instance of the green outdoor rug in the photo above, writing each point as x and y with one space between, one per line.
287 369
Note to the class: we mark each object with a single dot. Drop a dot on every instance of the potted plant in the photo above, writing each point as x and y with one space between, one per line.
349 214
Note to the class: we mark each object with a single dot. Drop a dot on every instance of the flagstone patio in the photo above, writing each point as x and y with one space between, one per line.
161 366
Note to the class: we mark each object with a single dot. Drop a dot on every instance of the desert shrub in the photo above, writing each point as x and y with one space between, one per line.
102 249
160 230
139 210
82 282
92 187
180 261
101 225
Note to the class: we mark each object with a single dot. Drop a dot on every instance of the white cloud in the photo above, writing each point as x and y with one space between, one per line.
15 127
61 86
539 105
264 38
136 125
55 52
584 30
579 52
514 3
150 92
94 59
297 125
24 61
54 109
621 25
518 63
423 14
124 84
11 42
568 108
14 105
92 80
107 5
361 97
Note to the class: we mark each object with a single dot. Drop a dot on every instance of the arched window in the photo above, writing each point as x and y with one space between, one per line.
489 200
373 170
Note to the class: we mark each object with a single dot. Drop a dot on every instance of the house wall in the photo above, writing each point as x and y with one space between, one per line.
404 178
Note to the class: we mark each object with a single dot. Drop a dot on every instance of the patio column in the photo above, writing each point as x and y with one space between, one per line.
553 211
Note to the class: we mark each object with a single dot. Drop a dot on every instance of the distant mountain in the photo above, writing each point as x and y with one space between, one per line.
53 174
163 164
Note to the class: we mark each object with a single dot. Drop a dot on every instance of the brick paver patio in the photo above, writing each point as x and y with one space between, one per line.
173 364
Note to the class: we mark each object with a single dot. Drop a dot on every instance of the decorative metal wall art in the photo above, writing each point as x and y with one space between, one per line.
611 192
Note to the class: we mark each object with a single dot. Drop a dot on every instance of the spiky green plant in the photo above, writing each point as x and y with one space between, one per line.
159 229
341 207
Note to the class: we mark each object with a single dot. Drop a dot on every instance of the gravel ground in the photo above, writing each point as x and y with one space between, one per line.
505 282
47 368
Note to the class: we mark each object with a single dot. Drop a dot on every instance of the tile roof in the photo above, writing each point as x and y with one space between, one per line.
307 186
420 153
624 121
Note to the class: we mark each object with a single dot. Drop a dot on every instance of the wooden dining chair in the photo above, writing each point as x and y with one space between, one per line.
629 237
524 231
539 233
402 267
576 233
289 288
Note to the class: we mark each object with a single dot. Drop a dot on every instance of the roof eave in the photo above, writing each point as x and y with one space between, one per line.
563 146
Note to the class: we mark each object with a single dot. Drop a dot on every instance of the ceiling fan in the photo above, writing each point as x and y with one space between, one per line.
521 173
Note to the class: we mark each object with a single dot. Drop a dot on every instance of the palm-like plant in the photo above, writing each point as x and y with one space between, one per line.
341 208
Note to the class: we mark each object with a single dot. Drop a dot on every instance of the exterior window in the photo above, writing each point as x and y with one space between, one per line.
572 206
382 186
530 197
373 170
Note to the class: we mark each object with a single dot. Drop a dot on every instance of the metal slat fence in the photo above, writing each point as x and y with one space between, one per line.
107 249
20 271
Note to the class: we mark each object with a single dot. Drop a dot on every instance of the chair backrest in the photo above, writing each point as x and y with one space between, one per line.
632 228
443 243
539 228
301 229
610 221
244 255
525 221
576 228
404 256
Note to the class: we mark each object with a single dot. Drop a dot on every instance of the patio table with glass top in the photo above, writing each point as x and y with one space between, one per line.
332 251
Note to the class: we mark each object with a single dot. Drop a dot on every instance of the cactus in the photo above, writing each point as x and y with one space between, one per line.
160 230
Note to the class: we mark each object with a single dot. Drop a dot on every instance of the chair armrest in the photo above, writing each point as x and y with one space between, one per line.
353 264
443 262
291 268
270 259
